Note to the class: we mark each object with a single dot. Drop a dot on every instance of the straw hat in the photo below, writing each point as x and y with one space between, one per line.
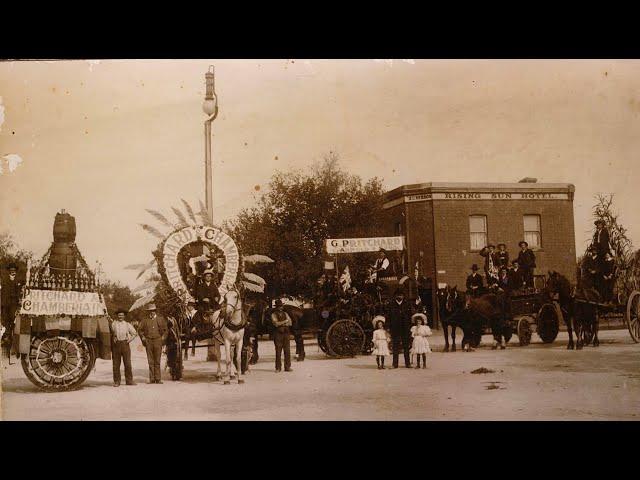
415 316
376 319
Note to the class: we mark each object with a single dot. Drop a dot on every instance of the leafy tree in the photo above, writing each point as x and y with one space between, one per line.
298 212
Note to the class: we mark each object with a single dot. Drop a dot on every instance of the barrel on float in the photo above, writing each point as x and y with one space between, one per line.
63 258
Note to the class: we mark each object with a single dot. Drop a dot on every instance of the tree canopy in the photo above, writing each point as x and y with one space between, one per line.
297 213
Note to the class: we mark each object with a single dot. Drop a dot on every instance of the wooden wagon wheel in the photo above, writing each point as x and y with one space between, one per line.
524 331
60 362
632 315
548 323
345 338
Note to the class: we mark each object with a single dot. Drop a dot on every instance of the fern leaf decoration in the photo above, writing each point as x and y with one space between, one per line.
189 210
161 218
135 266
146 267
204 214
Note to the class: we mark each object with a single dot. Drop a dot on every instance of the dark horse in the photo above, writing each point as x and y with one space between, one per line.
579 309
449 302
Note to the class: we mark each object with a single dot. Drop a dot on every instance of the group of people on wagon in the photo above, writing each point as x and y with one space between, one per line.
499 275
598 268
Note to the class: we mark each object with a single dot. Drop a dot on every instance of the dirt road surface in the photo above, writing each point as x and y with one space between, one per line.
538 382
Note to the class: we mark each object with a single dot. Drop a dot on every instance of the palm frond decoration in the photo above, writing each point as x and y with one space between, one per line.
181 218
146 267
161 218
135 266
153 231
254 278
141 302
204 214
189 210
148 285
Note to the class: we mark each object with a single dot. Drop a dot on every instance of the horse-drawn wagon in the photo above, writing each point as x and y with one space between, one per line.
62 324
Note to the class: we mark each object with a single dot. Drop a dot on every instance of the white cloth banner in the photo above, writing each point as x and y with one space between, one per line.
56 302
357 245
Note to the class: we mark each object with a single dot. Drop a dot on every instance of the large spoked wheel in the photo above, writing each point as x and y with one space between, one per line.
632 316
58 363
345 338
548 323
524 331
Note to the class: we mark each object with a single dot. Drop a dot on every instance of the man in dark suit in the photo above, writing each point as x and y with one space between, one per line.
9 301
515 276
399 320
153 333
601 239
207 293
474 282
527 262
590 267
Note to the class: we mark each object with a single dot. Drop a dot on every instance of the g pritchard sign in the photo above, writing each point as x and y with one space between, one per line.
357 245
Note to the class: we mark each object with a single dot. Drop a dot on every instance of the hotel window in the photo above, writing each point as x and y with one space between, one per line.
478 229
532 230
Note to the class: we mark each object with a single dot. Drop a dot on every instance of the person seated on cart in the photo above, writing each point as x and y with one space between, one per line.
475 283
516 280
590 267
601 239
527 262
381 265
608 277
207 294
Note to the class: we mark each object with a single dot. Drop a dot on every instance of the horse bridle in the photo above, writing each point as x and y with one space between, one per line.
229 316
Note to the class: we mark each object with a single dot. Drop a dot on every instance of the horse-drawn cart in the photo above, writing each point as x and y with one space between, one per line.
62 324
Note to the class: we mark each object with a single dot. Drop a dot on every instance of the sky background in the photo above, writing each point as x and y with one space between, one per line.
106 140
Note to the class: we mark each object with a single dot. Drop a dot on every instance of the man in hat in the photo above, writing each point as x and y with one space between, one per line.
502 256
601 239
399 317
123 333
527 262
153 333
490 264
474 282
207 293
9 299
281 336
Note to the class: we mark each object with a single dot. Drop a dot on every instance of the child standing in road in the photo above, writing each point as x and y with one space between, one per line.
420 331
380 341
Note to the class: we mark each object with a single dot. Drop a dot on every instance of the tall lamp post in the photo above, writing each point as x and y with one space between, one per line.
210 107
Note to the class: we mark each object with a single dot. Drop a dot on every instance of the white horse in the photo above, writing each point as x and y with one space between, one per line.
233 321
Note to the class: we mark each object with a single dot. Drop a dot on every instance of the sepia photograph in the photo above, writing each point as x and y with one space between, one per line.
320 240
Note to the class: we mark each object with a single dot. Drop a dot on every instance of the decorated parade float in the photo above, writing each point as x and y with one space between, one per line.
189 248
62 324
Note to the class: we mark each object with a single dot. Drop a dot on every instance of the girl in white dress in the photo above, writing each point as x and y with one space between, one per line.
380 341
420 331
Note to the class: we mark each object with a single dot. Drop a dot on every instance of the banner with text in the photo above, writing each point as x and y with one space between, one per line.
358 245
57 302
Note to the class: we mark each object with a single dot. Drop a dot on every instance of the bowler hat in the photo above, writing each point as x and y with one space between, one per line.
599 222
207 272
121 310
474 267
491 245
151 307
502 245
515 262
12 266
523 242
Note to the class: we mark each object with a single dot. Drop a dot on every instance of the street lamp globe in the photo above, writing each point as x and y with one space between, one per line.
209 106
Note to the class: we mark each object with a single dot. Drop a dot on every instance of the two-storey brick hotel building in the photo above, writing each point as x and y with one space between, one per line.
446 224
